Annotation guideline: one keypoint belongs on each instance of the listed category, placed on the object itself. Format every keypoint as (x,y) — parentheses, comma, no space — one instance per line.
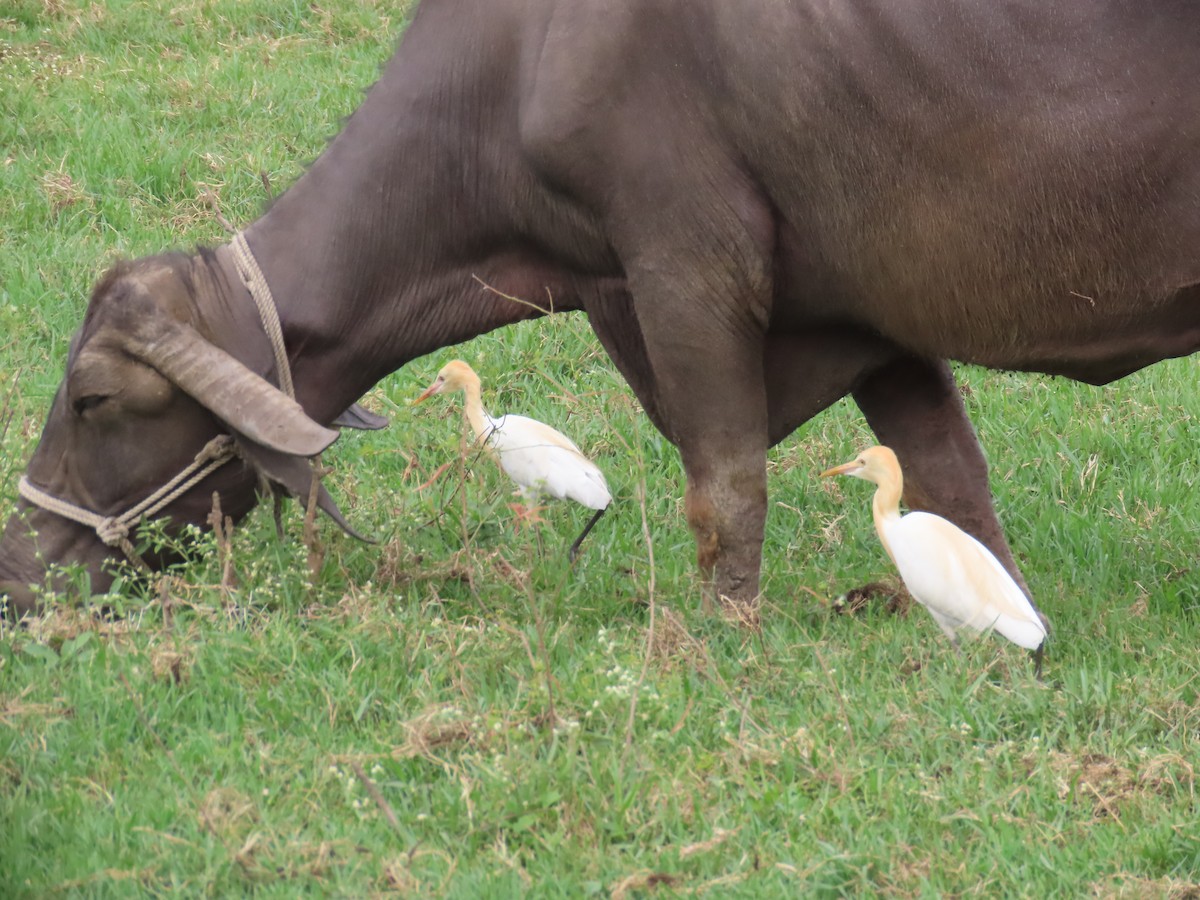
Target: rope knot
(112,531)
(221,448)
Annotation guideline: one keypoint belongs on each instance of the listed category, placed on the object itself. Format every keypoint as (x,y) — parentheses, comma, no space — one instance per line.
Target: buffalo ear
(246,402)
(360,417)
(294,475)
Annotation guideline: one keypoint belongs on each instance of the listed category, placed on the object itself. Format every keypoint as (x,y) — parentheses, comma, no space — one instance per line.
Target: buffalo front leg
(711,403)
(726,506)
(707,394)
(914,407)
(716,417)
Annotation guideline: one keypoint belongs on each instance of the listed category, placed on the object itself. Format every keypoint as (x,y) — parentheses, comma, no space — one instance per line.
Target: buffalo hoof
(743,613)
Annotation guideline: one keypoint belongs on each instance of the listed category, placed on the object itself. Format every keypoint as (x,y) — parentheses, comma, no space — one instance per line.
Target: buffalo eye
(88,401)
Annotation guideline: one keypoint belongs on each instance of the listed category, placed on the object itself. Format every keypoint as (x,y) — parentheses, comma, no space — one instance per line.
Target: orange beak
(843,469)
(429,392)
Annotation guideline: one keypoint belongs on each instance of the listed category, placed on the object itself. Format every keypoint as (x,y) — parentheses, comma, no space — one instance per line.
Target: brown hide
(761,206)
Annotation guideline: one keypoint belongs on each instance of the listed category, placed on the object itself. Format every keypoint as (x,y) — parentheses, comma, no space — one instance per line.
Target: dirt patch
(437,727)
(888,595)
(1107,784)
(61,623)
(673,642)
(640,882)
(170,664)
(226,811)
(15,709)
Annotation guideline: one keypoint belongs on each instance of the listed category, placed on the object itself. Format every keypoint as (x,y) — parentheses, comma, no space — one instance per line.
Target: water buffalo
(762,206)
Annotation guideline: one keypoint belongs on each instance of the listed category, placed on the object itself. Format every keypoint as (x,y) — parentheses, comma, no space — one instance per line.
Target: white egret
(947,571)
(541,460)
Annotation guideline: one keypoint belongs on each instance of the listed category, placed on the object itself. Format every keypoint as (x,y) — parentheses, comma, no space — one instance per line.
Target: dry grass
(1123,886)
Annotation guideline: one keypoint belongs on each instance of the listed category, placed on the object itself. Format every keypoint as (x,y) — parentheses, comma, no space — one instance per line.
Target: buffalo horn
(294,476)
(360,417)
(246,402)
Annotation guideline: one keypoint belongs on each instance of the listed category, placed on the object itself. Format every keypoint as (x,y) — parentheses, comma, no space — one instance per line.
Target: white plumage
(947,571)
(541,460)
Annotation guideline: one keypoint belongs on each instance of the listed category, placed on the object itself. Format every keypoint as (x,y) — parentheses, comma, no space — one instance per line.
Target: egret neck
(885,505)
(473,410)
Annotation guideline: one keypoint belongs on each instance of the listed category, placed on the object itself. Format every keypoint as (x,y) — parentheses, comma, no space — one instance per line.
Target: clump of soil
(889,595)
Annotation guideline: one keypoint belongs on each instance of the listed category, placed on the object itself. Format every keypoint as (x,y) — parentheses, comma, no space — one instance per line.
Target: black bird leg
(574,551)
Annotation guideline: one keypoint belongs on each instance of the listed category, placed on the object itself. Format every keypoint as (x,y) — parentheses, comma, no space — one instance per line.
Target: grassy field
(452,711)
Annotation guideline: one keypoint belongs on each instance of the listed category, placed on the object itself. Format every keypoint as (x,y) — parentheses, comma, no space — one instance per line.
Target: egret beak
(434,388)
(844,469)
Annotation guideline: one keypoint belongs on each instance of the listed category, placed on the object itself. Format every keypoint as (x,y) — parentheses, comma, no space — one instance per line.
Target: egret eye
(88,401)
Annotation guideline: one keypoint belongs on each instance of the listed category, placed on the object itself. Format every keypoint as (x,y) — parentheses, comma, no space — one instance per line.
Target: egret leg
(574,551)
(526,515)
(1038,654)
(954,641)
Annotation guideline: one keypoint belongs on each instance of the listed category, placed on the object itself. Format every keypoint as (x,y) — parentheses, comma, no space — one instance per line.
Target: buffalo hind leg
(914,407)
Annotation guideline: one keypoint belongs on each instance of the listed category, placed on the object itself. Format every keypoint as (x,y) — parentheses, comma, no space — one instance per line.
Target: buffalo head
(146,388)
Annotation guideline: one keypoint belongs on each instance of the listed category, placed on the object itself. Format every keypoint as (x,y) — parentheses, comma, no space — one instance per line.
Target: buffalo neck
(378,255)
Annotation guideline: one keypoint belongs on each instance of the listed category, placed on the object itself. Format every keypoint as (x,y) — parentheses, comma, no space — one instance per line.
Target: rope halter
(114,531)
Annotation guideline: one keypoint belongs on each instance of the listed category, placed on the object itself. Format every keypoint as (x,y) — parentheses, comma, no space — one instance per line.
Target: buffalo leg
(701,320)
(914,407)
(809,371)
(717,416)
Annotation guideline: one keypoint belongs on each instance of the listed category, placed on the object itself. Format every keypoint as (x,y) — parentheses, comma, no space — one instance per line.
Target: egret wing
(959,580)
(544,460)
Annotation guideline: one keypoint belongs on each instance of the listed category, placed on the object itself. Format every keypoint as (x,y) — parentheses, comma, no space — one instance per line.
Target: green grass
(525,729)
